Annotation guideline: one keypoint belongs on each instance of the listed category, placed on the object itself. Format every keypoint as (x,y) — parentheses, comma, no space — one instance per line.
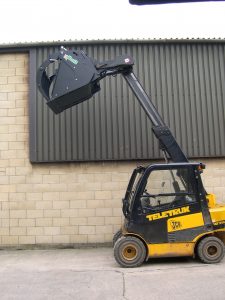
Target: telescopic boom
(77,79)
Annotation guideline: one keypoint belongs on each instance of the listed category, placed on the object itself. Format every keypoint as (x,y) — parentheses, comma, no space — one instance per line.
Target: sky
(54,20)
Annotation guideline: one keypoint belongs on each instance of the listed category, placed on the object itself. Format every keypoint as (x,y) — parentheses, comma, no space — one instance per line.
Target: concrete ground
(93,274)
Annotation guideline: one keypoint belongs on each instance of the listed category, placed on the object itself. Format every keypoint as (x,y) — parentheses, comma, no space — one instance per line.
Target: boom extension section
(77,78)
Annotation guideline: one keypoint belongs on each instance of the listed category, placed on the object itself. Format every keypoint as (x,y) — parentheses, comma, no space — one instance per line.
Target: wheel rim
(129,252)
(212,251)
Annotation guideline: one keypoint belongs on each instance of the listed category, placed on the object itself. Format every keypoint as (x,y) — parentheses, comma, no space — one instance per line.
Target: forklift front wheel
(129,251)
(210,250)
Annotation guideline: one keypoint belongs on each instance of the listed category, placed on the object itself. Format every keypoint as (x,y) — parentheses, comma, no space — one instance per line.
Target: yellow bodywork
(170,249)
(177,249)
(177,222)
(217,211)
(185,222)
(211,199)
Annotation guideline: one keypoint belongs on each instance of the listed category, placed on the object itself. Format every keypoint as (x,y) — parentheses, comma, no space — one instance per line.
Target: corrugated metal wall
(186,81)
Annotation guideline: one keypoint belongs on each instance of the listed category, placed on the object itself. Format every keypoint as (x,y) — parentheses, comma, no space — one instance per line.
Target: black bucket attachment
(75,80)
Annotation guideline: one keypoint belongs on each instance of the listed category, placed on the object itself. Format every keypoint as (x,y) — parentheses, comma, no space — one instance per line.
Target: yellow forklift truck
(167,211)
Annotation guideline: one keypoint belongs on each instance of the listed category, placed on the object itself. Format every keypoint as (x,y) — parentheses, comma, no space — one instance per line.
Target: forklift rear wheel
(116,236)
(129,251)
(210,250)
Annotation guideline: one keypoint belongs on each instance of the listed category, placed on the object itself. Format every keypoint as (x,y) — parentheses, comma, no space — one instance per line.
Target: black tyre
(129,251)
(116,236)
(210,250)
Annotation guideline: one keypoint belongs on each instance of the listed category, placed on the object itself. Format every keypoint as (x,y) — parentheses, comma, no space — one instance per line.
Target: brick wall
(58,203)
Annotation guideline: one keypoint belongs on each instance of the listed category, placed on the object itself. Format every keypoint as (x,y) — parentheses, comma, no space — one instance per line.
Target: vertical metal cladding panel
(184,80)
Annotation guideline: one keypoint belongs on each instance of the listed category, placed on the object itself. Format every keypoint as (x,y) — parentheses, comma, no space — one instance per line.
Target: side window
(168,189)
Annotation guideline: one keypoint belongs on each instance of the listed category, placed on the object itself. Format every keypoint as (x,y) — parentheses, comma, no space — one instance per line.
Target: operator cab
(160,193)
(163,186)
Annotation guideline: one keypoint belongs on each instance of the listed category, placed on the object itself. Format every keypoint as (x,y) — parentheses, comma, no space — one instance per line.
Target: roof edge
(28,45)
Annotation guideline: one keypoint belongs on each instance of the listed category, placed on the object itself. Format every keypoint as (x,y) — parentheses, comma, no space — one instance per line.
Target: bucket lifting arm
(77,79)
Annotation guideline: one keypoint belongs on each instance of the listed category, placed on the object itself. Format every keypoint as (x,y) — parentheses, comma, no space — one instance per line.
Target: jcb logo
(175,225)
